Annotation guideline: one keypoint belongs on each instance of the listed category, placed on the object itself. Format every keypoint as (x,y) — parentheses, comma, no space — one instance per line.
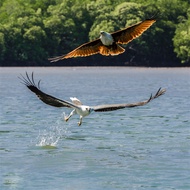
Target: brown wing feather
(84,50)
(128,34)
(112,107)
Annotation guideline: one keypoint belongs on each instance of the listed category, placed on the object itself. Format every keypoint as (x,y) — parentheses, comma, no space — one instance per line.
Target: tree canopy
(33,30)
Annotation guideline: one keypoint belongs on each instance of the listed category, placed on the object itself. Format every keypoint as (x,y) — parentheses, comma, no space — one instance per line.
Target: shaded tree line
(33,30)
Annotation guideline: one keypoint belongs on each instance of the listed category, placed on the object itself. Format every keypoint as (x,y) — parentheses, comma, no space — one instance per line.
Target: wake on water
(50,138)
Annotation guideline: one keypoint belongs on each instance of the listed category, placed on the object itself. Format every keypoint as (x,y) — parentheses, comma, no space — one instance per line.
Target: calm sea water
(139,148)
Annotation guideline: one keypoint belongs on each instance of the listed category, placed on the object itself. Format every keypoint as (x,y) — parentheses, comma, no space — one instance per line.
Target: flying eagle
(108,43)
(76,105)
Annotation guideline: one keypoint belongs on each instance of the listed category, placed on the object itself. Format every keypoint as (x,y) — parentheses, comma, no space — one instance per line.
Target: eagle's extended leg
(80,121)
(67,117)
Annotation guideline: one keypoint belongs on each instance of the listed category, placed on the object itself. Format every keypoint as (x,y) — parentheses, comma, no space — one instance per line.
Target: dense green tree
(33,30)
(182,39)
(115,18)
(23,33)
(171,10)
(66,26)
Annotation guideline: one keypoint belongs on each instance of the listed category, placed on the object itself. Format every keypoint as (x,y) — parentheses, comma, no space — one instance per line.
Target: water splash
(46,138)
(50,138)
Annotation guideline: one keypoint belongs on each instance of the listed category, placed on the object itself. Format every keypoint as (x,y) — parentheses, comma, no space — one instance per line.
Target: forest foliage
(33,30)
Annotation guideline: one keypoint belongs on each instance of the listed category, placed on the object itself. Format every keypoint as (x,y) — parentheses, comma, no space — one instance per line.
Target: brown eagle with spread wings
(108,43)
(76,105)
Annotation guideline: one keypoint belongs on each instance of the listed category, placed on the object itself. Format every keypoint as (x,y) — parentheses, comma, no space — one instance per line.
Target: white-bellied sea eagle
(76,105)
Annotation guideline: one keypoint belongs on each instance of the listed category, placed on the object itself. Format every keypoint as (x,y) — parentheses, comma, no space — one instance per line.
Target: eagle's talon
(66,119)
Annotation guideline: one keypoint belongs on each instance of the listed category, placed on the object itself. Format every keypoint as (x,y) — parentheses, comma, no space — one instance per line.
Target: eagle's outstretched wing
(46,98)
(128,34)
(112,107)
(87,49)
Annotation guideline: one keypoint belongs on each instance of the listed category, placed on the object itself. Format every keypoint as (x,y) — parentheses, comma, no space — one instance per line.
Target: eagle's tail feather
(114,49)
